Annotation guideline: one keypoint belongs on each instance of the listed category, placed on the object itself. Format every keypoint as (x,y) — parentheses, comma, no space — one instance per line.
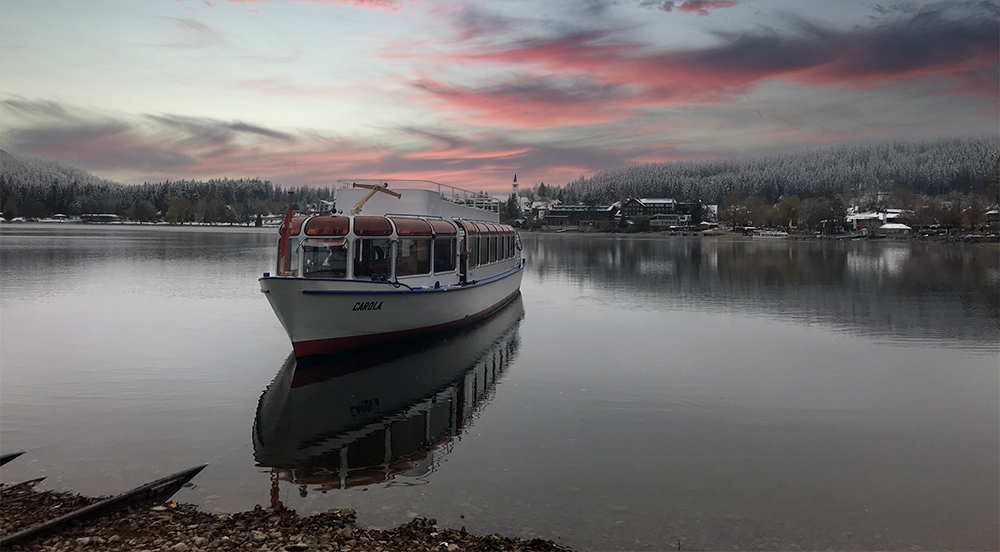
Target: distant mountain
(8,161)
(34,171)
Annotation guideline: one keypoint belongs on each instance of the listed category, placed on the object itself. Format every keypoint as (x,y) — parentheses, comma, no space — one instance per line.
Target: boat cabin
(403,249)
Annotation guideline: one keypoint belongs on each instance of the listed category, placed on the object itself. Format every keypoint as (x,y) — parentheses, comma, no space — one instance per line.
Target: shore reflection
(387,415)
(933,292)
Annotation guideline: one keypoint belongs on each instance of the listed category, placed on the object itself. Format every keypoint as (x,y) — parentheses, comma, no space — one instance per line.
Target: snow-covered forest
(36,187)
(848,172)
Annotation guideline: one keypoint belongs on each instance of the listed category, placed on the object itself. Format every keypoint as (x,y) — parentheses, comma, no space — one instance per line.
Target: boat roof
(420,198)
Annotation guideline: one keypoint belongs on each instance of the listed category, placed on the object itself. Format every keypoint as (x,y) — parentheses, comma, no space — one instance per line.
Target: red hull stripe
(339,344)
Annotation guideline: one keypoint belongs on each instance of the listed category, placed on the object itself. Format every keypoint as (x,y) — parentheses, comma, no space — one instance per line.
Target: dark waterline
(644,391)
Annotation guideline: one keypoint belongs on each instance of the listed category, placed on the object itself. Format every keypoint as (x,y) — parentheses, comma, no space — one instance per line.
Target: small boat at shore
(770,234)
(421,259)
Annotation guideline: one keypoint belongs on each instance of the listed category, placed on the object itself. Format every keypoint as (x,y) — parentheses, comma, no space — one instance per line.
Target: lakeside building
(874,219)
(666,211)
(671,221)
(100,217)
(537,209)
(565,216)
(649,207)
(894,229)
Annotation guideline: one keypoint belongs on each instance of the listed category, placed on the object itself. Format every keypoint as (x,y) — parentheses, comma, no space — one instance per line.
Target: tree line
(851,172)
(38,188)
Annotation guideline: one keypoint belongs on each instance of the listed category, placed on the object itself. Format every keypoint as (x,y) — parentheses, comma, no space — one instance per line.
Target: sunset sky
(468,93)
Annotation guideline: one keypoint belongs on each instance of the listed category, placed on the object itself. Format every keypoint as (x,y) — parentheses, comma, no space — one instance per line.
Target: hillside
(849,171)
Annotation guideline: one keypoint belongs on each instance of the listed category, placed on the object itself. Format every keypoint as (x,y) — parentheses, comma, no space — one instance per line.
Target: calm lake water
(643,392)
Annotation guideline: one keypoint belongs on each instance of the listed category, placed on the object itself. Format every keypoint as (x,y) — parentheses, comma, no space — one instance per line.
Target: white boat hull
(328,316)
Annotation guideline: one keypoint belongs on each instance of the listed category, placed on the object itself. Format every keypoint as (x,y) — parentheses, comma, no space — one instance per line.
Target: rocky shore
(173,527)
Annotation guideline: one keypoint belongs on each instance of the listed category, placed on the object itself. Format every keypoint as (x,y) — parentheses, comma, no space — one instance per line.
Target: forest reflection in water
(898,289)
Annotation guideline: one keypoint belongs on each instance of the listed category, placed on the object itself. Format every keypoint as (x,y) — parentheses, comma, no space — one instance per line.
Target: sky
(470,93)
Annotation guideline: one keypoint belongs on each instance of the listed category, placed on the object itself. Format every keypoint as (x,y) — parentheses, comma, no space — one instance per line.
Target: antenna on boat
(375,188)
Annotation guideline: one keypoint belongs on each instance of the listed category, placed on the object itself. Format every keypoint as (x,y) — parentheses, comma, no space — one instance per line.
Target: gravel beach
(173,527)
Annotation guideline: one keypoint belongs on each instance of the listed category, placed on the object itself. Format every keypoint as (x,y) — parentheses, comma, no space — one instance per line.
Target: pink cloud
(701,7)
(526,103)
(590,77)
(377,5)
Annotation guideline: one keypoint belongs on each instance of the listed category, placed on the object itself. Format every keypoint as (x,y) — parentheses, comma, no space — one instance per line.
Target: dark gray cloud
(699,7)
(204,131)
(43,109)
(103,142)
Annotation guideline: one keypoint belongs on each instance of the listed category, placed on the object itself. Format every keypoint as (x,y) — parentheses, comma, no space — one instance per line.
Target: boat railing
(451,194)
(410,215)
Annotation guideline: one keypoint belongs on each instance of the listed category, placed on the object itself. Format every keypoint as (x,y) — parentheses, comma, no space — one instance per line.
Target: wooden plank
(28,483)
(150,491)
(8,457)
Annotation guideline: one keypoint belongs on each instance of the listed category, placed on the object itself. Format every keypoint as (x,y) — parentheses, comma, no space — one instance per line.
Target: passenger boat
(425,258)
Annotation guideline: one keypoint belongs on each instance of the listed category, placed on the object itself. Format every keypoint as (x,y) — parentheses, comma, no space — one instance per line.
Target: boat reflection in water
(367,417)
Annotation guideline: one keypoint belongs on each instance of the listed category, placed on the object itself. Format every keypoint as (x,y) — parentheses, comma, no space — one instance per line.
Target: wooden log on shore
(8,457)
(28,483)
(164,487)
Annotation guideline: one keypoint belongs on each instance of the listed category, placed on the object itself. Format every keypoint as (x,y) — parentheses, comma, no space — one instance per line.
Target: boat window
(443,227)
(371,257)
(411,227)
(295,258)
(324,258)
(372,226)
(444,254)
(484,248)
(471,242)
(473,248)
(327,226)
(296,225)
(496,231)
(413,256)
(503,247)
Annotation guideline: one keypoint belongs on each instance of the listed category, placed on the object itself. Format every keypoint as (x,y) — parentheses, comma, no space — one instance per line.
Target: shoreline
(969,238)
(959,238)
(175,527)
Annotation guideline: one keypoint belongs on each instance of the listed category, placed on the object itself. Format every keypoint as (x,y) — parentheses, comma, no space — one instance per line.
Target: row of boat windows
(372,257)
